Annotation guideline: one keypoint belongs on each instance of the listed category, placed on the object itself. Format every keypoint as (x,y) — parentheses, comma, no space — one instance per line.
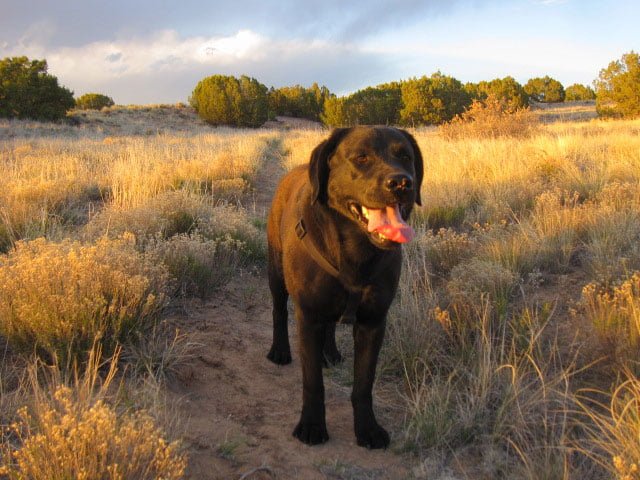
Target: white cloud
(171,65)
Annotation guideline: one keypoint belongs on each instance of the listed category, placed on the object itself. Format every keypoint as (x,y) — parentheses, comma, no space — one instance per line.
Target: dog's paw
(372,435)
(279,356)
(331,358)
(311,433)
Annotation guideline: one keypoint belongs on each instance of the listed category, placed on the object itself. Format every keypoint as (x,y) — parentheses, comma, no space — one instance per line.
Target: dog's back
(291,186)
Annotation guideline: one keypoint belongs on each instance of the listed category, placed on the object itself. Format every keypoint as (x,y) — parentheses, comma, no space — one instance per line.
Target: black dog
(334,233)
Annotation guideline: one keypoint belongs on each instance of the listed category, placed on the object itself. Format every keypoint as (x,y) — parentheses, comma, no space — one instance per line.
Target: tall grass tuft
(615,316)
(612,428)
(490,118)
(72,429)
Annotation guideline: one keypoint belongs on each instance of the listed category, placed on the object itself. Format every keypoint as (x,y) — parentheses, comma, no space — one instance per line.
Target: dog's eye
(403,156)
(361,159)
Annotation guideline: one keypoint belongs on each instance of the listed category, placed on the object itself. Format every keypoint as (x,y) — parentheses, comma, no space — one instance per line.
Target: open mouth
(383,224)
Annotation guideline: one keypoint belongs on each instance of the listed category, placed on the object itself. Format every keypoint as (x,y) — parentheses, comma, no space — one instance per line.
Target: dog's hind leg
(330,351)
(280,352)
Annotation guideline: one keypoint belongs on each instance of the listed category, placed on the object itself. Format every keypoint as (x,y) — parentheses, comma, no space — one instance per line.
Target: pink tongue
(389,222)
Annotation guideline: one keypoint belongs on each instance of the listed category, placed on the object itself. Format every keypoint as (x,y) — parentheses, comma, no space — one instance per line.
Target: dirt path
(239,409)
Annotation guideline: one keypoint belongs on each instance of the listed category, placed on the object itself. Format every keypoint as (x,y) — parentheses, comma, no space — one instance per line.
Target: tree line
(27,90)
(428,100)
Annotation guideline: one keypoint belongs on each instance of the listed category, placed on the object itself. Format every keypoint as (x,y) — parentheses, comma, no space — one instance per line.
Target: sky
(142,52)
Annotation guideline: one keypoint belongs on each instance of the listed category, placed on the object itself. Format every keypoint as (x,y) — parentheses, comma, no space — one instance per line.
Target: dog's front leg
(367,338)
(312,427)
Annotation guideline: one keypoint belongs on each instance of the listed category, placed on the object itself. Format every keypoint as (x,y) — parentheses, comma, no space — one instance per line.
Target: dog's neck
(343,244)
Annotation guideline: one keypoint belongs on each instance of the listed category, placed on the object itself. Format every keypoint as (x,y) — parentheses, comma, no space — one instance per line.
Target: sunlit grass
(492,337)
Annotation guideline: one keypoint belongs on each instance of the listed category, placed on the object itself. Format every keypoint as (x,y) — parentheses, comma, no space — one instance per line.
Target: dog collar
(353,301)
(327,266)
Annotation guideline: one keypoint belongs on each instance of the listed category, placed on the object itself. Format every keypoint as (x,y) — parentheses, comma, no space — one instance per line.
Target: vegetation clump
(618,88)
(578,92)
(227,100)
(94,101)
(490,118)
(28,91)
(545,89)
(506,90)
(298,101)
(60,298)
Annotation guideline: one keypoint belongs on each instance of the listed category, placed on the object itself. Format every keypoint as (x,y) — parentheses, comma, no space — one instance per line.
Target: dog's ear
(319,164)
(417,164)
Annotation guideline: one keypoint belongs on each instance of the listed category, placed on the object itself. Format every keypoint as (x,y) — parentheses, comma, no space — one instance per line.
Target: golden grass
(479,338)
(60,298)
(512,217)
(51,183)
(298,145)
(100,231)
(74,429)
(613,428)
(615,315)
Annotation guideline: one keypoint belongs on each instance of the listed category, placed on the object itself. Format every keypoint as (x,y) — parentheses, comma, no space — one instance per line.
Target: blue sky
(156,51)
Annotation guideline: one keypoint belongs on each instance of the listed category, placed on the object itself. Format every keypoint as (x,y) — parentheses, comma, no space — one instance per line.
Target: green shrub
(432,100)
(28,91)
(618,88)
(298,101)
(507,90)
(93,101)
(226,100)
(545,89)
(198,265)
(578,92)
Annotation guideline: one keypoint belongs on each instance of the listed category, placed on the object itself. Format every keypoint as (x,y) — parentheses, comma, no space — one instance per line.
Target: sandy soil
(239,409)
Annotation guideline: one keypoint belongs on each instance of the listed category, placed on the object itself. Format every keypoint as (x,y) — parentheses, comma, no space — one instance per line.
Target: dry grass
(298,145)
(103,224)
(58,299)
(482,363)
(53,185)
(74,428)
(481,342)
(491,118)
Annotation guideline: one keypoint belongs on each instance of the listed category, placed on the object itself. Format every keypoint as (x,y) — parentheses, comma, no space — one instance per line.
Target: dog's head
(371,175)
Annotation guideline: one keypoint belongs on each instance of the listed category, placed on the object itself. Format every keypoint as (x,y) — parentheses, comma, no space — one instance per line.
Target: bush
(578,92)
(371,106)
(175,213)
(507,90)
(93,101)
(491,118)
(199,265)
(432,100)
(72,430)
(618,88)
(298,101)
(60,298)
(545,89)
(226,100)
(28,91)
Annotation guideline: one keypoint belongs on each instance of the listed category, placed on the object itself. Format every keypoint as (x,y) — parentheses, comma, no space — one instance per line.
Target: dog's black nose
(398,183)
